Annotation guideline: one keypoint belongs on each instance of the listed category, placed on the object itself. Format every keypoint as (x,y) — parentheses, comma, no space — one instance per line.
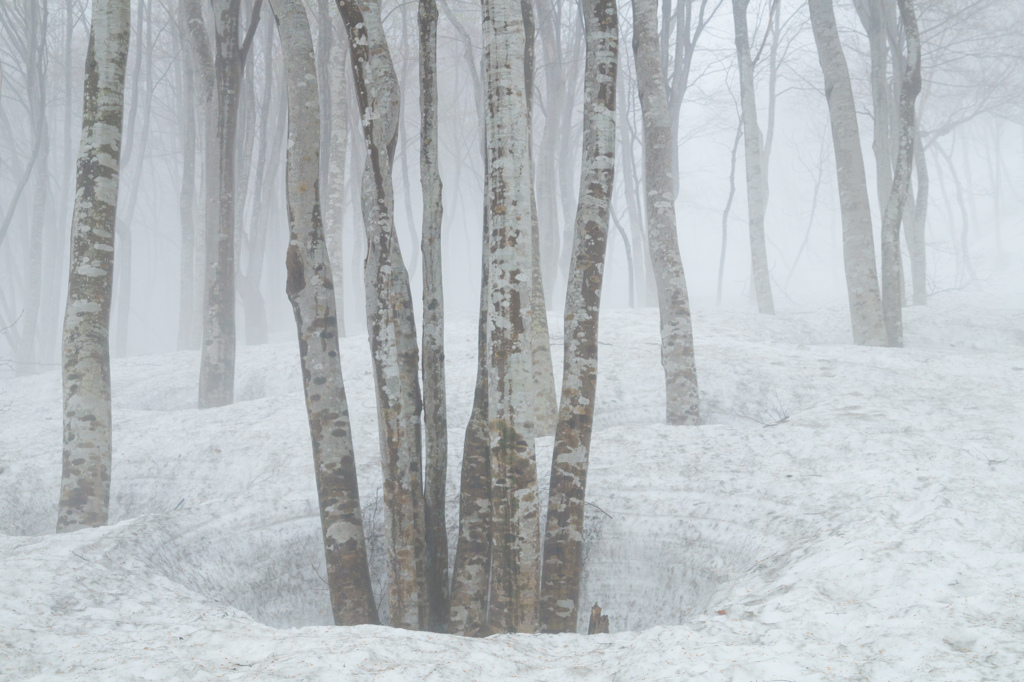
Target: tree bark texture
(677,357)
(563,539)
(752,147)
(187,196)
(435,416)
(515,569)
(310,290)
(85,475)
(892,270)
(858,242)
(918,263)
(389,317)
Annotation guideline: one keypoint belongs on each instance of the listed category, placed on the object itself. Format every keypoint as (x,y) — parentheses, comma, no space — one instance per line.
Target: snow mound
(844,513)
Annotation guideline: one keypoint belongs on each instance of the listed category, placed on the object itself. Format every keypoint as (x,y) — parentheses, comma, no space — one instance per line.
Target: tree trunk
(217,366)
(186,201)
(858,242)
(389,318)
(892,270)
(563,539)
(756,181)
(725,211)
(434,402)
(310,290)
(85,477)
(918,264)
(677,358)
(515,570)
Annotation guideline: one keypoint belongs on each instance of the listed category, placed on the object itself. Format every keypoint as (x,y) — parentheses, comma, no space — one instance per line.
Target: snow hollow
(843,513)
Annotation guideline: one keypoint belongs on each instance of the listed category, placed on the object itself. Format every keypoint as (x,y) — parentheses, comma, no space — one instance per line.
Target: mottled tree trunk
(85,477)
(563,539)
(435,416)
(756,181)
(472,570)
(892,270)
(871,18)
(310,289)
(858,242)
(677,358)
(389,318)
(515,535)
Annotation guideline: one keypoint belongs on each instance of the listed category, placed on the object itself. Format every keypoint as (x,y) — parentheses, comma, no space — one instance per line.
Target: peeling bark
(85,475)
(563,539)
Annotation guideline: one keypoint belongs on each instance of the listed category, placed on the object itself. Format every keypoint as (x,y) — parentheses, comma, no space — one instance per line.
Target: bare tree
(389,317)
(563,538)
(892,271)
(85,475)
(858,243)
(310,289)
(515,514)
(753,148)
(435,412)
(677,358)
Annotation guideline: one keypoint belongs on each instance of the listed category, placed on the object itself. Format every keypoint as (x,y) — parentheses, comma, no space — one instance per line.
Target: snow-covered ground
(844,513)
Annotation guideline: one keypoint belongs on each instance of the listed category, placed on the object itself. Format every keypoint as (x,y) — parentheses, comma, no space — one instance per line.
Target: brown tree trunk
(563,539)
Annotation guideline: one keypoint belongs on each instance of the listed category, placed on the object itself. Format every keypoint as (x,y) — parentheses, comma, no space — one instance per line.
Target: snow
(844,513)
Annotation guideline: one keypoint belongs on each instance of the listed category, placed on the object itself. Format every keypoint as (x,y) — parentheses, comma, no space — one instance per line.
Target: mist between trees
(355,162)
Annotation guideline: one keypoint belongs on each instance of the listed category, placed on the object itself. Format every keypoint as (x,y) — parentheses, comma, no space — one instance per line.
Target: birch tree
(892,271)
(677,357)
(435,411)
(752,147)
(563,539)
(310,289)
(515,522)
(858,242)
(389,314)
(85,474)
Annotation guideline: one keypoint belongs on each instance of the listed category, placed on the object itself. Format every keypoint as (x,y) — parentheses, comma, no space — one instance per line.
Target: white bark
(85,476)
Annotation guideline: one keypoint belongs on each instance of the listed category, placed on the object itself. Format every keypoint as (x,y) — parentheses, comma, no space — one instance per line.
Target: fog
(970,111)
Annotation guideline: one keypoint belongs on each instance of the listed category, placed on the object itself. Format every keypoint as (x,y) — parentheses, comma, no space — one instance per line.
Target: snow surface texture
(844,513)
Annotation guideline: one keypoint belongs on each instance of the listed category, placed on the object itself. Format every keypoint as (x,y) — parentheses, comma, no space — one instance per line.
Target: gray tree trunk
(515,569)
(563,538)
(186,200)
(918,263)
(310,289)
(389,318)
(858,242)
(677,358)
(756,180)
(435,416)
(85,476)
(892,270)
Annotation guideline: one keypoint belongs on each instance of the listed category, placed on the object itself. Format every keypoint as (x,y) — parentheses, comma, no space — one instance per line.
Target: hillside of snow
(844,513)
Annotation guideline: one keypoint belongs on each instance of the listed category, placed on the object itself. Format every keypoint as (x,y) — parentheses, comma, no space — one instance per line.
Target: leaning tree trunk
(311,291)
(563,539)
(677,358)
(389,317)
(752,147)
(515,569)
(858,242)
(85,477)
(435,417)
(892,271)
